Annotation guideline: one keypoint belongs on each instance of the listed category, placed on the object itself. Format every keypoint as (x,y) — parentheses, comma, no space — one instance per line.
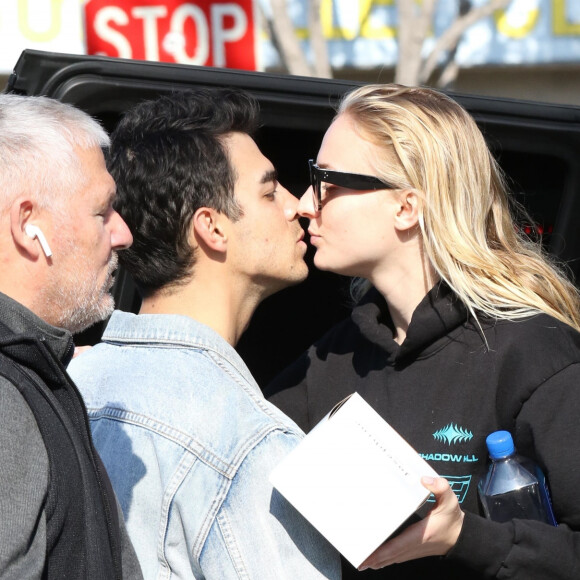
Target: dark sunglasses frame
(355,181)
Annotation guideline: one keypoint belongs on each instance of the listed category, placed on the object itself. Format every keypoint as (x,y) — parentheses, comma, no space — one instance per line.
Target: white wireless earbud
(36,232)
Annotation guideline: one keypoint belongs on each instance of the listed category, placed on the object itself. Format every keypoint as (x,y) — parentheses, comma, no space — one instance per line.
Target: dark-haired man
(183,428)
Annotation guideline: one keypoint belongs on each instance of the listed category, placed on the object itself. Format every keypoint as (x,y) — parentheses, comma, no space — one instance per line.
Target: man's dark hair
(168,158)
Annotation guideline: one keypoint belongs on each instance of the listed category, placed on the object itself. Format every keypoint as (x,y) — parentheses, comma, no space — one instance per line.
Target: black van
(538,146)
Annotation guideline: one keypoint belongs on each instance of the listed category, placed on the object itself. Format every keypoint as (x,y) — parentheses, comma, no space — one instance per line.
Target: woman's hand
(434,535)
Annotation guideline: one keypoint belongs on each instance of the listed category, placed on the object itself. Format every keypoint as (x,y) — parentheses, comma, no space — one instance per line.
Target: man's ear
(21,219)
(407,210)
(208,229)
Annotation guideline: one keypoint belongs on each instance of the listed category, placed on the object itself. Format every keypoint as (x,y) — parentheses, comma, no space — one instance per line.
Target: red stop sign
(200,32)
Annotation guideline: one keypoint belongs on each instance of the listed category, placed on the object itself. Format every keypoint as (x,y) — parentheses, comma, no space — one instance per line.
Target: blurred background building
(526,49)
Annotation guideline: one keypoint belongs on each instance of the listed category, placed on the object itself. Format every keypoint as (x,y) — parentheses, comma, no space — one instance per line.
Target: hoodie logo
(453,434)
(459,484)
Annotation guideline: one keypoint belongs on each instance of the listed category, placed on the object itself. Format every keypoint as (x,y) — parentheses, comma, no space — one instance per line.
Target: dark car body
(537,145)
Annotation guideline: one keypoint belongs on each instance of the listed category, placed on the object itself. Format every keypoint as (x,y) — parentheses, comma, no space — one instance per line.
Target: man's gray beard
(81,303)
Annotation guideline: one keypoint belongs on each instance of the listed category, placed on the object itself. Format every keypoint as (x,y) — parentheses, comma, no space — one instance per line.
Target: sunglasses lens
(315,183)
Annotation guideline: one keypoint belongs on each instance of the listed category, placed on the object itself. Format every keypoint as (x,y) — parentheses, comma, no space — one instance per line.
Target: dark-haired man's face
(268,245)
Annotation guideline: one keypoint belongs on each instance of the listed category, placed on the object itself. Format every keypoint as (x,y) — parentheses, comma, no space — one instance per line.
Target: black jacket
(77,515)
(445,388)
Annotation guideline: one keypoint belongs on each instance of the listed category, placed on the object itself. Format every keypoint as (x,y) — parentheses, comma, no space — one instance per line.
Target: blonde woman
(464,327)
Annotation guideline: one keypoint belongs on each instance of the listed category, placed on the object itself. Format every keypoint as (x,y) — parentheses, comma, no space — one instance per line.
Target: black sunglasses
(354,181)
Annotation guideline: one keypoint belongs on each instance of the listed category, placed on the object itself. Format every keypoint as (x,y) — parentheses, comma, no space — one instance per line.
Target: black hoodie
(445,388)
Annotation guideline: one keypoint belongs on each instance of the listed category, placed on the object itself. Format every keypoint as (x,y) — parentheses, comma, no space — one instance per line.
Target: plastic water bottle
(514,486)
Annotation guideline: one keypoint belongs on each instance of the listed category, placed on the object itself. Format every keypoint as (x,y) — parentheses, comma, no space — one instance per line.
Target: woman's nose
(307,206)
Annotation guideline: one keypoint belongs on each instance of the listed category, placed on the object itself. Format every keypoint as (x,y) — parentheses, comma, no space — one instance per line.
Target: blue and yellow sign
(360,33)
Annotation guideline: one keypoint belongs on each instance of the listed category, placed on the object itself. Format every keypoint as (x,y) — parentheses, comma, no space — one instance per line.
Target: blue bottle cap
(500,444)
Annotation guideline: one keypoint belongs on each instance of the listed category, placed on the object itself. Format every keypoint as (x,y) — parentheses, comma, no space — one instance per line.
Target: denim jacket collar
(173,330)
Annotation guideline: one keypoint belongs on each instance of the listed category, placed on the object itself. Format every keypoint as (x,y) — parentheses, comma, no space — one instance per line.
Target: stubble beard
(81,301)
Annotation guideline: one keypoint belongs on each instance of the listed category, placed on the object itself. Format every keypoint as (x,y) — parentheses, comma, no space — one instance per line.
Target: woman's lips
(313,237)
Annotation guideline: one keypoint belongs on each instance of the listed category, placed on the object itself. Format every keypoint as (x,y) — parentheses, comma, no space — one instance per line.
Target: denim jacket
(189,442)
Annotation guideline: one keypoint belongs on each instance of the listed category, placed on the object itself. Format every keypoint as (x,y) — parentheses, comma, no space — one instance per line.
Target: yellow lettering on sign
(560,22)
(302,33)
(54,25)
(330,31)
(507,29)
(367,30)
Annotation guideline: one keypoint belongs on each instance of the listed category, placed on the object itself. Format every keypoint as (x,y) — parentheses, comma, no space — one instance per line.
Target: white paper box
(354,478)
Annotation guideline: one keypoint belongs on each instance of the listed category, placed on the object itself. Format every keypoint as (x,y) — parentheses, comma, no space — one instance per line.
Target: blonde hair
(467,228)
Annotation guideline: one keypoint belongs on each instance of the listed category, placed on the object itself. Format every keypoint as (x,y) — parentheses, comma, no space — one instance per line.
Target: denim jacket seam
(210,518)
(187,442)
(226,468)
(231,546)
(175,482)
(253,391)
(239,376)
(216,515)
(253,442)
